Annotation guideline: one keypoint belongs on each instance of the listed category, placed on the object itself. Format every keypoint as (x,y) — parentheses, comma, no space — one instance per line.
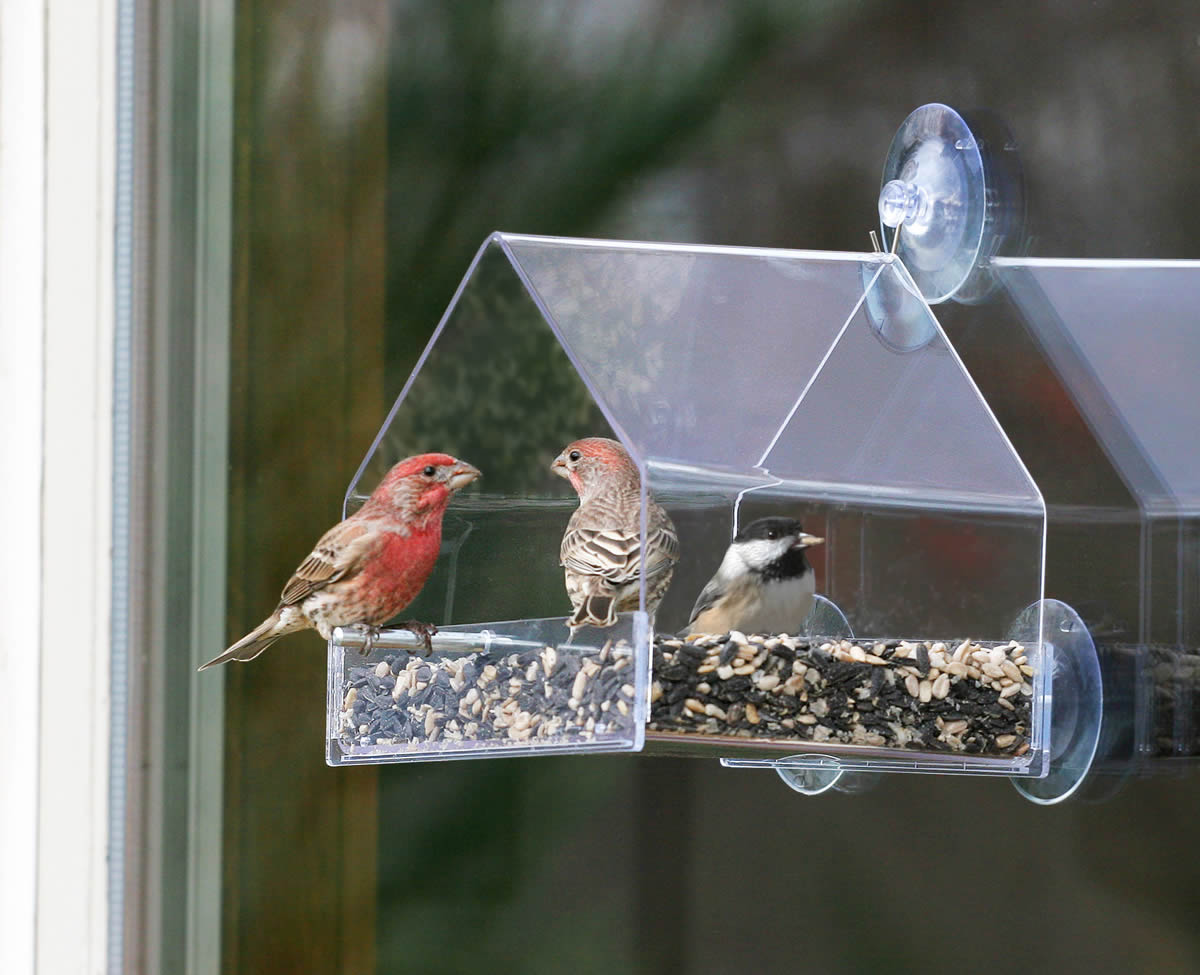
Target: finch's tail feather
(253,643)
(595,610)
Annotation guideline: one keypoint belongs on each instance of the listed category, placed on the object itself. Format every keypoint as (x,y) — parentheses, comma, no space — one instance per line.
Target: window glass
(376,147)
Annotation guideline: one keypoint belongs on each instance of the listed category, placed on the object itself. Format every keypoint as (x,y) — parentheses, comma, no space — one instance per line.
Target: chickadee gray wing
(709,596)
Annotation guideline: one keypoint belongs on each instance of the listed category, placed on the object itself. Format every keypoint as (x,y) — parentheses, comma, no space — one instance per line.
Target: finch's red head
(420,487)
(594,464)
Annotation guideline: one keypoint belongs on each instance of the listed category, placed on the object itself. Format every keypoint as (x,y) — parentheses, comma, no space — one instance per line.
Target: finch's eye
(429,471)
(574,455)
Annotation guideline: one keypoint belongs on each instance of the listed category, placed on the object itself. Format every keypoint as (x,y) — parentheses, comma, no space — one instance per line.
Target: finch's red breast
(393,580)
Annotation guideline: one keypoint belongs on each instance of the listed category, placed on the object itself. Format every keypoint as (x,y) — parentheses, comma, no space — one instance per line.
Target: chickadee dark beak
(462,475)
(804,540)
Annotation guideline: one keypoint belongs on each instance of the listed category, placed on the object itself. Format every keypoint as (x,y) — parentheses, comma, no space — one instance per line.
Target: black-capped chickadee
(764,583)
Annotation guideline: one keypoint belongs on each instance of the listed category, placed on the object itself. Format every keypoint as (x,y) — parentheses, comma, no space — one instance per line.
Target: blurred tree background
(377,144)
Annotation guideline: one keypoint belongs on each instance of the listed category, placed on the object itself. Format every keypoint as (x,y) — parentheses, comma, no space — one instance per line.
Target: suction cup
(810,775)
(1072,695)
(898,311)
(954,193)
(825,619)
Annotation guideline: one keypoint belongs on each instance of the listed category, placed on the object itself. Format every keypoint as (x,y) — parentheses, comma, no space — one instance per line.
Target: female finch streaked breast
(601,552)
(367,568)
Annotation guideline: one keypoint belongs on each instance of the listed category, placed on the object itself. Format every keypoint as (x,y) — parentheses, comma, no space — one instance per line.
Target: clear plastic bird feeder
(743,382)
(819,386)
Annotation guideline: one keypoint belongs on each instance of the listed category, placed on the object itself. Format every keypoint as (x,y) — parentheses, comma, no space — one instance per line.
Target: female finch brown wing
(367,568)
(601,552)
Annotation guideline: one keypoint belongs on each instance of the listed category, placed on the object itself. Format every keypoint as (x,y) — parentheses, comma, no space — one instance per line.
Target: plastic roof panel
(770,362)
(1125,337)
(679,341)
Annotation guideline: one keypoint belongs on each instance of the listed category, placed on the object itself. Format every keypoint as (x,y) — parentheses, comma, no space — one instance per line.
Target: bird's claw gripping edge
(369,640)
(425,631)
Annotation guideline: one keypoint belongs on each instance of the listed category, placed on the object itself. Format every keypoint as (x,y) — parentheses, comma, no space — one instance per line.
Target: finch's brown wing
(615,554)
(339,553)
(612,554)
(662,546)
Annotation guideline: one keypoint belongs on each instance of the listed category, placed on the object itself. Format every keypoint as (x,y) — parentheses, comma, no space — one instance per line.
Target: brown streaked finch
(601,552)
(367,568)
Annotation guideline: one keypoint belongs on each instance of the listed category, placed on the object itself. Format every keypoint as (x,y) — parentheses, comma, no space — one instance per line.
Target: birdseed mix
(1175,703)
(552,695)
(966,697)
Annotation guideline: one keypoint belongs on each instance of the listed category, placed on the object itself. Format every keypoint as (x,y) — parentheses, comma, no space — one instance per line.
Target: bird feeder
(743,383)
(747,382)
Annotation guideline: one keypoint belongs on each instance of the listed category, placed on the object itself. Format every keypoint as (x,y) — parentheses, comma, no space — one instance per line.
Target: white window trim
(57,153)
(68,900)
(22,241)
(73,828)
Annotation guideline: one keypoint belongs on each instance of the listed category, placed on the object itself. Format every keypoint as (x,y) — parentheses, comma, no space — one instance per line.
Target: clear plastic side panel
(496,388)
(504,689)
(1123,338)
(818,389)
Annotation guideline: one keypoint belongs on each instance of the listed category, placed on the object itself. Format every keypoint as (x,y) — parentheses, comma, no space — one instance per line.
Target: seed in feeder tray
(795,692)
(489,700)
(821,691)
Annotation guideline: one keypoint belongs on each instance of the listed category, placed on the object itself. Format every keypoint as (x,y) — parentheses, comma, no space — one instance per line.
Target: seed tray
(964,697)
(776,691)
(514,690)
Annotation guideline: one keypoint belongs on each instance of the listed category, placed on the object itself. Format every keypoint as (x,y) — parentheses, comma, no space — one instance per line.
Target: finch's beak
(559,466)
(804,540)
(461,476)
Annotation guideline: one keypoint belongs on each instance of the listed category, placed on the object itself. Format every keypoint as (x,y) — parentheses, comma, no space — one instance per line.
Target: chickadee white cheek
(758,554)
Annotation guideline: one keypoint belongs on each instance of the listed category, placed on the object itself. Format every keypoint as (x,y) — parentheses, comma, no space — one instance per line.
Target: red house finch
(601,552)
(367,568)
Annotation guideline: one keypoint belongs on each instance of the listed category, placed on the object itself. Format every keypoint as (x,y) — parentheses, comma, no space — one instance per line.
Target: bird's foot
(369,641)
(425,631)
